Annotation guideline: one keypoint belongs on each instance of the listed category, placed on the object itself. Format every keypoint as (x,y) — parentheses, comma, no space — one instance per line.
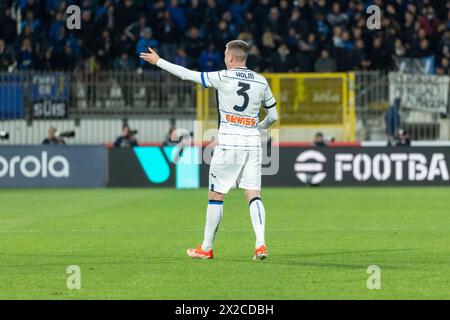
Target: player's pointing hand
(151,57)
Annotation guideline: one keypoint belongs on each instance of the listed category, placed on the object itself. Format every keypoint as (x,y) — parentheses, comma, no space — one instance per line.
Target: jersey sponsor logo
(241,120)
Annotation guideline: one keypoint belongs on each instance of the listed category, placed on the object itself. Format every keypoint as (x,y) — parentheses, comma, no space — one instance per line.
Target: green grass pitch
(131,244)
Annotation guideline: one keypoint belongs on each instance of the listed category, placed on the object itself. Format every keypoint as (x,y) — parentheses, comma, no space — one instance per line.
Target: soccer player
(238,154)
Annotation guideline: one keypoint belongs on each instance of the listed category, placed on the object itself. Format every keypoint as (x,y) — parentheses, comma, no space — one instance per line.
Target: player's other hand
(151,57)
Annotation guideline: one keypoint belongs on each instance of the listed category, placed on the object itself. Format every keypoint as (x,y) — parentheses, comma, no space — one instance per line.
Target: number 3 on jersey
(243,92)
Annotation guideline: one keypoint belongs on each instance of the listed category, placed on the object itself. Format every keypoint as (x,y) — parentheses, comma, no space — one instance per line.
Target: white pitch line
(132,230)
(413,228)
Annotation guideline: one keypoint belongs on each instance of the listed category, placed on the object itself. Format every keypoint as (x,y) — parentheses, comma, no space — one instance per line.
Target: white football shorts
(231,166)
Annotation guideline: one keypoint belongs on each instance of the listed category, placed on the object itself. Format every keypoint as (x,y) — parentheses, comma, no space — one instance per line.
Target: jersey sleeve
(212,79)
(268,98)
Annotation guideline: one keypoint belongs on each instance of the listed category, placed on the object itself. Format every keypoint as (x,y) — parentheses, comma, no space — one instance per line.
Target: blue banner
(53,166)
(11,96)
(53,86)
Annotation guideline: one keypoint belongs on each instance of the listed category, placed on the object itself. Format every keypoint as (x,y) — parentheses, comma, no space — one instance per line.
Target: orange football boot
(260,253)
(199,253)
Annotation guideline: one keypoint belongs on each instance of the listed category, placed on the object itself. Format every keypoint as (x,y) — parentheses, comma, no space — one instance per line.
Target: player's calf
(258,217)
(213,218)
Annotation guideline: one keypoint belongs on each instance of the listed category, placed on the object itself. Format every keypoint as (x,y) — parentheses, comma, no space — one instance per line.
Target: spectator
(409,29)
(127,139)
(194,13)
(273,23)
(55,28)
(212,14)
(104,50)
(268,44)
(261,11)
(222,34)
(337,37)
(194,46)
(177,13)
(303,60)
(321,27)
(443,67)
(336,17)
(238,9)
(210,59)
(429,21)
(145,42)
(27,34)
(47,61)
(181,58)
(362,61)
(254,60)
(30,21)
(281,60)
(157,10)
(285,10)
(123,45)
(249,25)
(5,57)
(169,31)
(26,58)
(424,49)
(325,63)
(136,30)
(399,49)
(7,26)
(392,119)
(88,34)
(378,57)
(298,23)
(125,14)
(124,63)
(69,61)
(320,7)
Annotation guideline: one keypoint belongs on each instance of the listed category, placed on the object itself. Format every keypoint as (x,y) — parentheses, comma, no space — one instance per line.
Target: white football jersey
(240,93)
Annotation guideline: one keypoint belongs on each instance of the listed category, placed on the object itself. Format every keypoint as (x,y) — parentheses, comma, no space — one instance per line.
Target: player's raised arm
(178,71)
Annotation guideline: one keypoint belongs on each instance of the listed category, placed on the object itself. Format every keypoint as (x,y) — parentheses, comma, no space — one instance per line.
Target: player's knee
(250,194)
(213,195)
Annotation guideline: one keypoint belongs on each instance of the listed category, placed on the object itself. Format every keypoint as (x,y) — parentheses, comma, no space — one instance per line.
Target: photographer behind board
(56,138)
(319,140)
(4,135)
(127,139)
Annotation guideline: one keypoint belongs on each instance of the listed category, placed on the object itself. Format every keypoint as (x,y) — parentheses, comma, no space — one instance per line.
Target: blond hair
(239,48)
